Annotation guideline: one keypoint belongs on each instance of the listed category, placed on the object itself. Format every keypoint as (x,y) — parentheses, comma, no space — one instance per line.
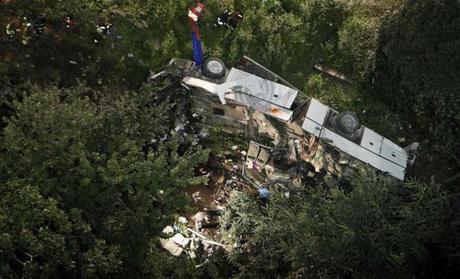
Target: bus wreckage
(254,100)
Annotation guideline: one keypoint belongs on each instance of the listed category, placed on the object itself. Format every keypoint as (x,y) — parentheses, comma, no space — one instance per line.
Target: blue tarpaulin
(197,50)
(264,193)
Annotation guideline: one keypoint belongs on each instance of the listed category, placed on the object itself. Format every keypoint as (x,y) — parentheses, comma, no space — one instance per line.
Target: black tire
(213,68)
(347,122)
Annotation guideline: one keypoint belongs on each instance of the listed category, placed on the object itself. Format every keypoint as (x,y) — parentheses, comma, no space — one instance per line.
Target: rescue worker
(105,29)
(39,24)
(195,13)
(110,31)
(222,20)
(235,19)
(11,30)
(69,21)
(26,30)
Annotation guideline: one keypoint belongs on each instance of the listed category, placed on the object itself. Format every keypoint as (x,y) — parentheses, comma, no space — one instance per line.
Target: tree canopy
(79,195)
(380,229)
(416,71)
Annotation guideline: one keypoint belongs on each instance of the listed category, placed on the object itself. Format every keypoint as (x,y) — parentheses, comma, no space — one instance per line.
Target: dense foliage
(78,195)
(417,71)
(379,230)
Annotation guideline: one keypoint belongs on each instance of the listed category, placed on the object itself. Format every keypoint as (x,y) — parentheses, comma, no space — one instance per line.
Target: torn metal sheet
(263,89)
(247,89)
(180,240)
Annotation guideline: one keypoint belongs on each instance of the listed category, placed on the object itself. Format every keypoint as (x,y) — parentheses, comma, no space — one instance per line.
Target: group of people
(27,27)
(227,19)
(31,26)
(37,24)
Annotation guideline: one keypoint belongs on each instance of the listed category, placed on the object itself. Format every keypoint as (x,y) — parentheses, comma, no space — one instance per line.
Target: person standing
(69,21)
(11,30)
(194,14)
(222,20)
(39,24)
(235,19)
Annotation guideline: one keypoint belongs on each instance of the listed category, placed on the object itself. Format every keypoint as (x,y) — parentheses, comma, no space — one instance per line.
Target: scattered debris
(196,196)
(281,157)
(182,220)
(189,241)
(168,230)
(265,127)
(180,240)
(171,247)
(199,218)
(205,239)
(221,180)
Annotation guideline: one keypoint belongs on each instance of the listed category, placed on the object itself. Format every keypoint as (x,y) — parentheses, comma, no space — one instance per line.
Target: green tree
(380,229)
(361,56)
(93,200)
(416,73)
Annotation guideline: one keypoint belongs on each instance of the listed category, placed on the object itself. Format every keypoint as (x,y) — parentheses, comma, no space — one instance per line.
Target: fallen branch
(205,238)
(333,73)
(202,264)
